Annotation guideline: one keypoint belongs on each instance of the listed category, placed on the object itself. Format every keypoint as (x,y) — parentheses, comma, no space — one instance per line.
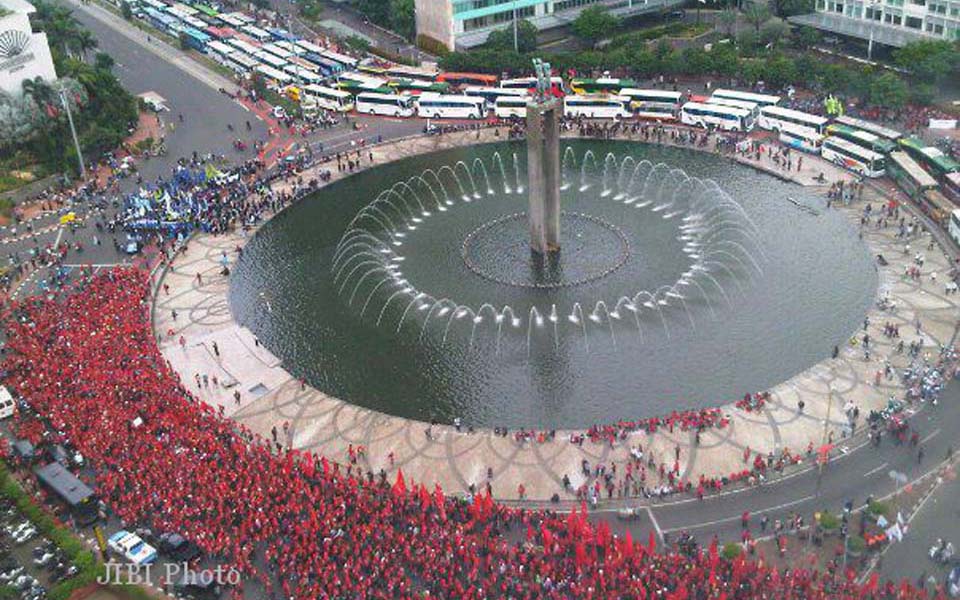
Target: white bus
(596,106)
(242,46)
(877,130)
(392,105)
(256,33)
(662,105)
(511,106)
(269,59)
(301,75)
(278,51)
(761,99)
(753,107)
(801,138)
(853,157)
(773,118)
(490,94)
(328,98)
(277,78)
(727,118)
(440,106)
(365,81)
(241,63)
(954,227)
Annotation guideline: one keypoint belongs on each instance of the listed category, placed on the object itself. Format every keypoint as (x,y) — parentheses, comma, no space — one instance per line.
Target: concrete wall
(435,20)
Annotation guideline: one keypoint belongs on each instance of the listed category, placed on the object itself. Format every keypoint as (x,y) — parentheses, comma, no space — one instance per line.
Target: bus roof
(319,89)
(430,96)
(764,99)
(64,483)
(665,94)
(744,104)
(796,114)
(456,76)
(873,128)
(876,142)
(910,166)
(476,90)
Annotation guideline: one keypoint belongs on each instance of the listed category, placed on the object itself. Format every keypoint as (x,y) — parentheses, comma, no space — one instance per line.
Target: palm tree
(82,42)
(757,15)
(728,20)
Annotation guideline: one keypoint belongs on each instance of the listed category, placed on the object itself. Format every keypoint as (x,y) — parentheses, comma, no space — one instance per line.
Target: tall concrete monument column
(543,166)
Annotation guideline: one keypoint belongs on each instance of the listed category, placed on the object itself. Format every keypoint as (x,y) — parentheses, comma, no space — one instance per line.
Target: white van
(7,404)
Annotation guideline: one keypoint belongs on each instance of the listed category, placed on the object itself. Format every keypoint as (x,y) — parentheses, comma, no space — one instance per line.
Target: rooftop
(16,6)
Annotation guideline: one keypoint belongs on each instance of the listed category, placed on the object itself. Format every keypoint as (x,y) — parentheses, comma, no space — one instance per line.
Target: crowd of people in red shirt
(301,527)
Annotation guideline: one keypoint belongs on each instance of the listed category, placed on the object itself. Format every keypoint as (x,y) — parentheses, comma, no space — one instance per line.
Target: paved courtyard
(270,397)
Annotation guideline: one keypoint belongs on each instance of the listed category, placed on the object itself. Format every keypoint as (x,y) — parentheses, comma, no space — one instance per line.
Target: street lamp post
(516,42)
(73,131)
(873,5)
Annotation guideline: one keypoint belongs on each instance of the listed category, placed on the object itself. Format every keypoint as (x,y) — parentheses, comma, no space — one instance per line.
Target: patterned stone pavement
(270,397)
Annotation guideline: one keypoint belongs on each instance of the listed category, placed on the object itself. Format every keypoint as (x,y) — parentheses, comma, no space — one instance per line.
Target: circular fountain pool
(411,289)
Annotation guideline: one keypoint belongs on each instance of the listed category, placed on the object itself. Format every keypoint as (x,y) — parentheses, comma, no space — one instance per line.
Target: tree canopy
(502,39)
(594,23)
(931,61)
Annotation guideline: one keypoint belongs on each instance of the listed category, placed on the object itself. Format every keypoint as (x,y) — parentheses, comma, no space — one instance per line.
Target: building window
(838,8)
(913,22)
(565,4)
(938,29)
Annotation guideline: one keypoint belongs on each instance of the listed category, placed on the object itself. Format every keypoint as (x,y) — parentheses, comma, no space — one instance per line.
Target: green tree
(103,61)
(377,11)
(789,8)
(774,33)
(757,14)
(310,9)
(805,37)
(929,60)
(728,21)
(594,23)
(889,91)
(402,18)
(502,39)
(126,11)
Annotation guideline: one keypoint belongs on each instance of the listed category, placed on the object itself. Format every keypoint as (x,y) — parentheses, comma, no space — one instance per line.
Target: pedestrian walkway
(270,397)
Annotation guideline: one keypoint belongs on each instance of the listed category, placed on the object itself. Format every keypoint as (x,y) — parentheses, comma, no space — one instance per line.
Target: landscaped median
(90,568)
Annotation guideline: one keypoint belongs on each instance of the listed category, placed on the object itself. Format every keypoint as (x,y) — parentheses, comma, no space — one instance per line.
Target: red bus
(461,79)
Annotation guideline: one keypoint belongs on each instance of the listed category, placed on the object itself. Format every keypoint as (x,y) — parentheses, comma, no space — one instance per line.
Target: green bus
(604,85)
(419,87)
(859,137)
(203,8)
(930,158)
(908,174)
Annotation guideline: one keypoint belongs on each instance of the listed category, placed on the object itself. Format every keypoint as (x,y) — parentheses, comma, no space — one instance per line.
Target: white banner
(943,123)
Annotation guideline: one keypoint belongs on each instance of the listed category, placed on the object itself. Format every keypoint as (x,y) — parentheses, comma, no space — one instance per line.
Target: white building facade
(890,22)
(462,24)
(23,53)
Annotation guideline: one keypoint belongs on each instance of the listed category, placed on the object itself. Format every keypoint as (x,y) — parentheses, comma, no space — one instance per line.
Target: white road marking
(757,512)
(656,525)
(872,471)
(932,435)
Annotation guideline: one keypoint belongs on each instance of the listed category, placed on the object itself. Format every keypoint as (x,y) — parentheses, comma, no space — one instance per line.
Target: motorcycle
(942,552)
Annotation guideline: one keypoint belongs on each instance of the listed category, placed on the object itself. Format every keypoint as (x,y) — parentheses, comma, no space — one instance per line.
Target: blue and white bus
(851,156)
(801,138)
(717,116)
(773,118)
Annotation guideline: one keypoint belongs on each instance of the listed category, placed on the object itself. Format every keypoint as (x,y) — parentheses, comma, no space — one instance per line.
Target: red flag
(547,537)
(326,465)
(653,542)
(628,545)
(399,488)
